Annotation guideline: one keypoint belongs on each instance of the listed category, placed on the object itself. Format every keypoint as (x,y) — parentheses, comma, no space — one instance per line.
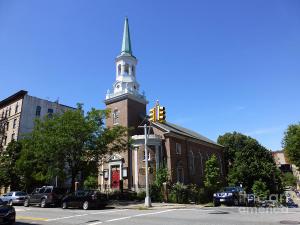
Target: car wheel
(85,205)
(43,203)
(26,203)
(236,202)
(64,205)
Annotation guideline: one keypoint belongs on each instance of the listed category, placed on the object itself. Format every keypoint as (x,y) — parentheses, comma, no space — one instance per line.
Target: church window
(191,162)
(116,117)
(119,69)
(178,149)
(126,69)
(179,172)
(201,164)
(132,71)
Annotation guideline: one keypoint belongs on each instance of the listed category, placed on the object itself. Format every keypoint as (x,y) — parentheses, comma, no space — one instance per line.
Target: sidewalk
(140,205)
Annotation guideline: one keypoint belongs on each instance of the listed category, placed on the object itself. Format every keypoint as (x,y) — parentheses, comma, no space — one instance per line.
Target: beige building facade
(18,113)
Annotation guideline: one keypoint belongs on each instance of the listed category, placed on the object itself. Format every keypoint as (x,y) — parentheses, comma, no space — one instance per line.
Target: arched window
(133,70)
(116,116)
(119,69)
(191,162)
(126,68)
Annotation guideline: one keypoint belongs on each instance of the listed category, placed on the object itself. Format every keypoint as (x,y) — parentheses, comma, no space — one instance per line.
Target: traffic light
(152,115)
(161,114)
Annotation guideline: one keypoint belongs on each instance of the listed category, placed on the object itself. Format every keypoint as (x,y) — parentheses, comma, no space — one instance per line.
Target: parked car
(45,196)
(230,196)
(7,213)
(85,199)
(14,197)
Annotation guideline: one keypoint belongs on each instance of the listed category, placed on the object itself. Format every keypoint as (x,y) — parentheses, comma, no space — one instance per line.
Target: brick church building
(182,151)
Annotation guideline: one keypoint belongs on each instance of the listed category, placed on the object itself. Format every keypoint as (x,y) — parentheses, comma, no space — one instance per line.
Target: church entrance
(115,177)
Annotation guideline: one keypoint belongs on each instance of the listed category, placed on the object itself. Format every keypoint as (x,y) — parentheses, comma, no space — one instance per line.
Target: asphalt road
(185,216)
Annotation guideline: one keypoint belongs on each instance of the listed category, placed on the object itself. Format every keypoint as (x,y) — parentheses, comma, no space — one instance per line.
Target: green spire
(126,43)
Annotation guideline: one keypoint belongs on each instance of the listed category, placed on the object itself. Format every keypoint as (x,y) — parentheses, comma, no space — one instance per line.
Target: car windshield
(20,193)
(229,189)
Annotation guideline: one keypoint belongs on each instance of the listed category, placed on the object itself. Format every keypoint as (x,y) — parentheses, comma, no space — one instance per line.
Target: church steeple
(126,83)
(126,43)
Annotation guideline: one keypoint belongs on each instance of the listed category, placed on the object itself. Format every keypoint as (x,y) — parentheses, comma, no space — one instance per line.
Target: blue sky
(218,66)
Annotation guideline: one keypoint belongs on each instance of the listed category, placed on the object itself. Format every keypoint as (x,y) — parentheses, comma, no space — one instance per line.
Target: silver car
(14,197)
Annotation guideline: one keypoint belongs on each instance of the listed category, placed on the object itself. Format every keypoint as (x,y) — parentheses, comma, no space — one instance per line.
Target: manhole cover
(289,222)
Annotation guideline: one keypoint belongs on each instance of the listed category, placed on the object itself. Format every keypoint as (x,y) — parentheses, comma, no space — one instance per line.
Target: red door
(115,177)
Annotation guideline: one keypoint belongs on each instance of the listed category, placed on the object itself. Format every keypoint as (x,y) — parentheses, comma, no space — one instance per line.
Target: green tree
(288,179)
(260,189)
(248,161)
(62,145)
(291,143)
(9,173)
(212,175)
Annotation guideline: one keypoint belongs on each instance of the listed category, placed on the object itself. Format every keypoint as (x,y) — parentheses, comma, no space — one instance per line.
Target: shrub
(90,182)
(179,193)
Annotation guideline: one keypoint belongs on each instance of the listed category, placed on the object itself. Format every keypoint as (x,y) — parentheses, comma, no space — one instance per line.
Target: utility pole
(147,198)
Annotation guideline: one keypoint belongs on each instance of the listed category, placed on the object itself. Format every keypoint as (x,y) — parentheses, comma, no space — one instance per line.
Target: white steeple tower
(126,82)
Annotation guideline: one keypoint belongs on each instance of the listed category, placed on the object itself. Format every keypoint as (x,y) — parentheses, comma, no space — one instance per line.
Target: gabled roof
(173,128)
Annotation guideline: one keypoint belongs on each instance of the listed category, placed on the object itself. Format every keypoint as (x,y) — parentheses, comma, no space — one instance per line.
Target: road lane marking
(134,216)
(31,218)
(102,212)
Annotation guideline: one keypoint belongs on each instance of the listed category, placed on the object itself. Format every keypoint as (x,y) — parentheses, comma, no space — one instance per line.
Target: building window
(126,68)
(38,111)
(201,164)
(116,115)
(12,136)
(15,122)
(179,172)
(132,71)
(6,113)
(50,113)
(7,126)
(178,149)
(5,140)
(191,162)
(2,114)
(9,111)
(17,107)
(119,69)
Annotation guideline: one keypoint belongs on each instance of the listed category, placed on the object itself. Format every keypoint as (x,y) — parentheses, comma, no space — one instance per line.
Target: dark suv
(230,196)
(45,196)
